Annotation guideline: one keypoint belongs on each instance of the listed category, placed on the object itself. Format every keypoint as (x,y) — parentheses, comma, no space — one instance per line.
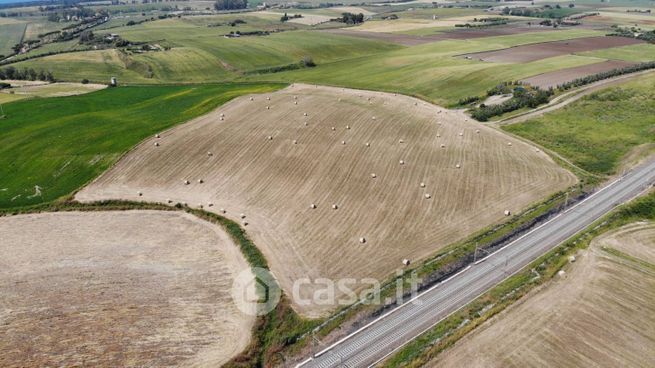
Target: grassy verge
(51,147)
(447,332)
(599,130)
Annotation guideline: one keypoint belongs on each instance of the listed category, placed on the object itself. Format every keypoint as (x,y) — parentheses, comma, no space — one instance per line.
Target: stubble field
(130,288)
(601,314)
(272,164)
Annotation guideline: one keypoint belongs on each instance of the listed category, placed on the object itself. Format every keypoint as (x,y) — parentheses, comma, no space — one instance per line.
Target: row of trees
(26,74)
(523,97)
(605,75)
(230,4)
(350,18)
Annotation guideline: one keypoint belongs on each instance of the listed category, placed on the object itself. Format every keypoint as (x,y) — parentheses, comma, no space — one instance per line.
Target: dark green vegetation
(450,330)
(599,130)
(51,147)
(522,96)
(606,75)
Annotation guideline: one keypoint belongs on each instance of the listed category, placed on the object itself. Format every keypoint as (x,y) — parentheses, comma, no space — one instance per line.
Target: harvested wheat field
(600,314)
(314,169)
(543,50)
(457,34)
(118,289)
(553,79)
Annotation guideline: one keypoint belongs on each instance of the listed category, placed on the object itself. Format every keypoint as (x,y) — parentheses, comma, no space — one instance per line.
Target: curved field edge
(270,332)
(51,147)
(103,272)
(429,345)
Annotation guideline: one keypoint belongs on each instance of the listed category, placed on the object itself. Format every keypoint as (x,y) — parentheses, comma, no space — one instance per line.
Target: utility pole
(475,253)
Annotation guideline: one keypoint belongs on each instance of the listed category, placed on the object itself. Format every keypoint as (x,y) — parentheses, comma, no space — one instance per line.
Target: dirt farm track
(118,289)
(335,183)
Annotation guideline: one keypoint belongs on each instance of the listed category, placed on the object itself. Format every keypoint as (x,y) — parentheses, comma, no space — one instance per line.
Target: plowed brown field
(553,79)
(543,50)
(326,162)
(118,289)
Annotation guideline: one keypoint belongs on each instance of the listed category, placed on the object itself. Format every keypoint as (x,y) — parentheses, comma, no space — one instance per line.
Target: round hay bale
(477,131)
(243,215)
(156,144)
(368,144)
(427,196)
(270,138)
(509,143)
(186,182)
(401,141)
(374,118)
(222,118)
(169,200)
(252,99)
(333,128)
(335,207)
(343,142)
(139,193)
(295,141)
(200,181)
(443,145)
(312,206)
(402,162)
(268,98)
(422,185)
(304,114)
(374,176)
(157,136)
(200,206)
(306,124)
(458,166)
(222,114)
(461,134)
(245,223)
(438,135)
(295,97)
(222,210)
(209,153)
(406,262)
(295,102)
(362,240)
(268,107)
(348,127)
(507,212)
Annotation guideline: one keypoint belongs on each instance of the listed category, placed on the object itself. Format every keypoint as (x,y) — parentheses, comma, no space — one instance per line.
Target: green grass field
(636,53)
(10,34)
(599,130)
(432,72)
(59,144)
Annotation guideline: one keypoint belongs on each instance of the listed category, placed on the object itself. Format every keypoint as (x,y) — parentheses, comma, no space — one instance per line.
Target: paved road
(387,334)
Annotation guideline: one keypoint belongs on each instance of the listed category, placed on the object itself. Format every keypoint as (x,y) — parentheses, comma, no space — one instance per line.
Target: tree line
(26,74)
